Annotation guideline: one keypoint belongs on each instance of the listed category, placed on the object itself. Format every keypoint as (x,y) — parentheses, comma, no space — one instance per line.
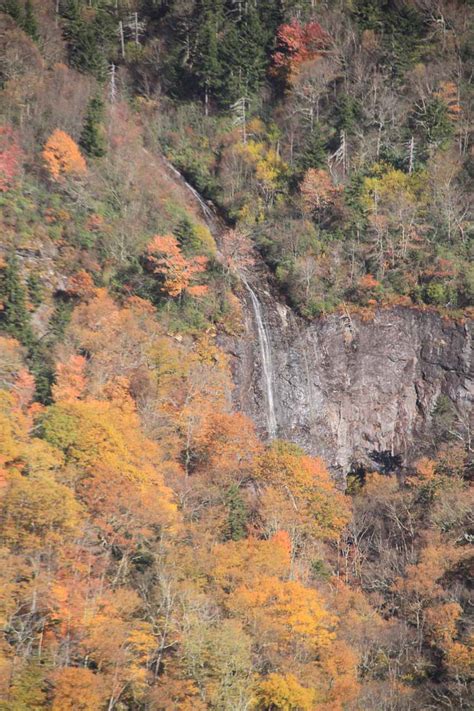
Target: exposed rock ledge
(347,389)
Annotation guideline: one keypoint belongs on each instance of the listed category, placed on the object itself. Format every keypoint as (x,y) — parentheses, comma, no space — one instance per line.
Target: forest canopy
(156,552)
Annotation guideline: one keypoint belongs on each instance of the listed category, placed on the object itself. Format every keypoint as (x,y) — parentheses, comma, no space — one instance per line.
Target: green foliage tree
(313,154)
(433,123)
(243,57)
(14,317)
(187,238)
(14,9)
(23,14)
(29,22)
(90,36)
(207,65)
(237,516)
(92,138)
(28,690)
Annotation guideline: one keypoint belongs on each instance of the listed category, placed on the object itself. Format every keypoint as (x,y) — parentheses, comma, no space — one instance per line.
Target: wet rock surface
(352,391)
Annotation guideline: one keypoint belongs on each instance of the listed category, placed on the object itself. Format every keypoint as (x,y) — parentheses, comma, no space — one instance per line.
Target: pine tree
(237,514)
(187,238)
(92,138)
(348,113)
(90,39)
(207,67)
(14,9)
(14,317)
(314,151)
(243,57)
(271,14)
(29,22)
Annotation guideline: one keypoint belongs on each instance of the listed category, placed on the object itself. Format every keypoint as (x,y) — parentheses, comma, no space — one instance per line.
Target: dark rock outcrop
(352,391)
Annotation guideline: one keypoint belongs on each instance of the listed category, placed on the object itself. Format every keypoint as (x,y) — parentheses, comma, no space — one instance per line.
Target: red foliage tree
(297,43)
(10,158)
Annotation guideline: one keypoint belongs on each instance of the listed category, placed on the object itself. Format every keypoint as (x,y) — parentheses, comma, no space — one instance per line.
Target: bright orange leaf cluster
(62,156)
(318,190)
(177,271)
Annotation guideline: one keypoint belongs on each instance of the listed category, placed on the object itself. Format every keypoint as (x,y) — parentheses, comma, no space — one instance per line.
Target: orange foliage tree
(62,156)
(10,158)
(178,272)
(318,191)
(70,379)
(77,689)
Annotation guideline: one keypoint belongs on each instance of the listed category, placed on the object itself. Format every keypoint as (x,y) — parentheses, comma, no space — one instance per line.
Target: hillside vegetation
(155,554)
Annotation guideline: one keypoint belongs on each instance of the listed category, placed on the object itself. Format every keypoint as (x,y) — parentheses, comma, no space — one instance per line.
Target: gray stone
(349,389)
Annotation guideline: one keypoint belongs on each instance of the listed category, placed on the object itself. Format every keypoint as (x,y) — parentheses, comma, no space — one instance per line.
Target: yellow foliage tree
(303,483)
(283,692)
(239,562)
(77,689)
(118,471)
(284,615)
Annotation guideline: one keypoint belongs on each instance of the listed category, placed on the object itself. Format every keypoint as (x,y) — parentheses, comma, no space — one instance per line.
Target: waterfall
(206,210)
(266,355)
(263,339)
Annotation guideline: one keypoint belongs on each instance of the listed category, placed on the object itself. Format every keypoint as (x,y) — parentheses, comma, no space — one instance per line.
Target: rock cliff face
(355,392)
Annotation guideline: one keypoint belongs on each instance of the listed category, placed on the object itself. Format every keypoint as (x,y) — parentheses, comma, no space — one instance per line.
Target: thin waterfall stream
(335,388)
(262,331)
(266,355)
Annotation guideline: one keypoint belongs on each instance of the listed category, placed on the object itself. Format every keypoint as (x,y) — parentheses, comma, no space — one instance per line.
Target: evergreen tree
(92,138)
(41,366)
(90,38)
(271,14)
(433,123)
(14,317)
(14,9)
(187,237)
(243,57)
(206,66)
(368,13)
(348,113)
(23,14)
(29,21)
(237,514)
(313,154)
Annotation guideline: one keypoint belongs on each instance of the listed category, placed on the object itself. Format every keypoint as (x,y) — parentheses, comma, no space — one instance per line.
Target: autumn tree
(62,157)
(77,688)
(288,619)
(318,191)
(176,271)
(284,692)
(70,380)
(297,43)
(296,481)
(10,158)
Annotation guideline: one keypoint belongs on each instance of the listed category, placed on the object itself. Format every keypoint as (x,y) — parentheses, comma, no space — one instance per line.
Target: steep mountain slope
(358,390)
(235,238)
